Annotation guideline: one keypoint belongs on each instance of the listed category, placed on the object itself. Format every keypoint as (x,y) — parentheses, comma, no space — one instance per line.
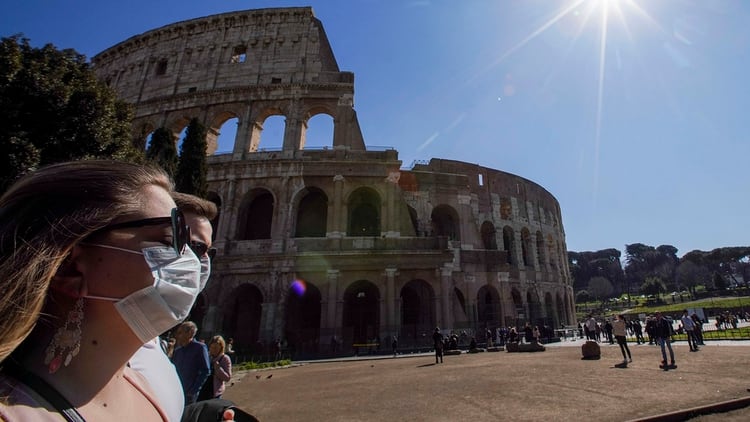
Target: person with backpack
(663,336)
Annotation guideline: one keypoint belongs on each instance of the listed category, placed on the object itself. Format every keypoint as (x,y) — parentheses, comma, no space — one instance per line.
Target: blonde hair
(43,215)
(220,341)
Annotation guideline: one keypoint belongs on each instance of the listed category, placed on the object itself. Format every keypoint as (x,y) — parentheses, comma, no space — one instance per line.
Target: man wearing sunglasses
(150,360)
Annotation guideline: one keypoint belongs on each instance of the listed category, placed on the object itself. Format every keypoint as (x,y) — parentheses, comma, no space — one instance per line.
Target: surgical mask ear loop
(66,343)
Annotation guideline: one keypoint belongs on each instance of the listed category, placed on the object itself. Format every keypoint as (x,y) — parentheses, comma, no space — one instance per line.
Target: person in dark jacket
(437,339)
(663,336)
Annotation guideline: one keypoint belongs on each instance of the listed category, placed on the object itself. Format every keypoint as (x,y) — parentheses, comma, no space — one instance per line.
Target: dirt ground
(551,385)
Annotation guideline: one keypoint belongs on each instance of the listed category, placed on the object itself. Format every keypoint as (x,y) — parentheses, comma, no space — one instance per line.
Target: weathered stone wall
(393,251)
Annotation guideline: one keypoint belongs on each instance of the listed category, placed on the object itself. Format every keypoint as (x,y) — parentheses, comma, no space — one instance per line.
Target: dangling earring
(66,343)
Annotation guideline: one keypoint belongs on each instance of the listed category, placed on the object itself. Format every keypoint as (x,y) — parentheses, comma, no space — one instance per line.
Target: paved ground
(551,385)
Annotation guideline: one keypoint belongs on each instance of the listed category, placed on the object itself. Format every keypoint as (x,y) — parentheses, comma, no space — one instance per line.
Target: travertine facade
(338,241)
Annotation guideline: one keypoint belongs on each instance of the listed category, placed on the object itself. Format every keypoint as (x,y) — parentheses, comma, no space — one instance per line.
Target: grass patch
(246,366)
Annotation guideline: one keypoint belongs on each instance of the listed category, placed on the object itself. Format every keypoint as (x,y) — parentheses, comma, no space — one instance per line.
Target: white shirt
(151,362)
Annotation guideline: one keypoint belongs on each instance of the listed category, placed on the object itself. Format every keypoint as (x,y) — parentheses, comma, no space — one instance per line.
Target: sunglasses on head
(180,229)
(202,249)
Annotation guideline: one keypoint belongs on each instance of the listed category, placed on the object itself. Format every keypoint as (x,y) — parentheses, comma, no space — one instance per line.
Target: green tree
(53,108)
(653,286)
(719,282)
(690,275)
(600,288)
(163,151)
(192,169)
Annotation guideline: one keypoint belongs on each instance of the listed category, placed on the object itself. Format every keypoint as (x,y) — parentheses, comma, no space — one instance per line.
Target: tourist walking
(619,331)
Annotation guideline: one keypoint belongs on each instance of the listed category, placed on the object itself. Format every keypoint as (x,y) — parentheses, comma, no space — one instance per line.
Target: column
(446,282)
(330,321)
(390,297)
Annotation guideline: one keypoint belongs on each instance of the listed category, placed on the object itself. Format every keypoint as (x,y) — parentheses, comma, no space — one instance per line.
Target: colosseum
(340,241)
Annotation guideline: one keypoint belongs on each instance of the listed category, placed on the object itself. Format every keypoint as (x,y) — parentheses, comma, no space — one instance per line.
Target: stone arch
(509,244)
(364,213)
(242,314)
(489,311)
(540,252)
(535,307)
(302,330)
(445,222)
(417,311)
(526,247)
(361,313)
(141,133)
(488,236)
(256,215)
(256,125)
(316,113)
(312,213)
(214,125)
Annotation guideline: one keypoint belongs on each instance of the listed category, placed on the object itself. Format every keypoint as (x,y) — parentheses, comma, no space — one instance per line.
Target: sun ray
(528,38)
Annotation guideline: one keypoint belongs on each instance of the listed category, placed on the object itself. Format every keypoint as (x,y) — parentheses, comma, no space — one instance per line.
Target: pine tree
(192,168)
(163,151)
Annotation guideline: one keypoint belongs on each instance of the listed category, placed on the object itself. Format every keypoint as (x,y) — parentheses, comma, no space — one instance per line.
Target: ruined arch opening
(317,133)
(312,214)
(417,311)
(302,329)
(361,313)
(364,213)
(535,308)
(488,236)
(270,133)
(222,134)
(256,215)
(488,307)
(242,313)
(445,222)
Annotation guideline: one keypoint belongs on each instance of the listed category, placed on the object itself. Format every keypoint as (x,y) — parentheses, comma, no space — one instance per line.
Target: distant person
(191,360)
(437,340)
(663,334)
(536,334)
(638,331)
(619,330)
(608,332)
(698,328)
(689,326)
(528,333)
(277,349)
(591,327)
(394,345)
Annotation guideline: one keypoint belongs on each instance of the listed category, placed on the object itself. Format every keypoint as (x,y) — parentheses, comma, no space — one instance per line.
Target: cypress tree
(192,168)
(163,151)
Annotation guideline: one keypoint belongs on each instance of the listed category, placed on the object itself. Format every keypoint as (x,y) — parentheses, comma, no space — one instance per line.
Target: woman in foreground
(93,264)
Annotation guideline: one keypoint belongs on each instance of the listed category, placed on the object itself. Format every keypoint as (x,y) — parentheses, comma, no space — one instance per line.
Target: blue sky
(642,137)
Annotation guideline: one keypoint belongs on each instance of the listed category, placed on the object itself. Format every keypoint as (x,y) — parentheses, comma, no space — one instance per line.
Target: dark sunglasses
(201,249)
(180,229)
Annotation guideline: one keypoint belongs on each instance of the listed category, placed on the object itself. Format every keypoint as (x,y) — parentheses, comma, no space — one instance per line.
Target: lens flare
(299,287)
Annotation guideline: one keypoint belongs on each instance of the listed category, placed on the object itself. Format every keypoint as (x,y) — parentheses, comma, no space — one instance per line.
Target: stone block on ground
(591,350)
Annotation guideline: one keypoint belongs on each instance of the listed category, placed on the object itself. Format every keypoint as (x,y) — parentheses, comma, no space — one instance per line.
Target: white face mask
(155,309)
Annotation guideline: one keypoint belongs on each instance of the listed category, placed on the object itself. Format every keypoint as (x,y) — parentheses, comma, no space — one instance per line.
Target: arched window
(364,213)
(312,214)
(256,216)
